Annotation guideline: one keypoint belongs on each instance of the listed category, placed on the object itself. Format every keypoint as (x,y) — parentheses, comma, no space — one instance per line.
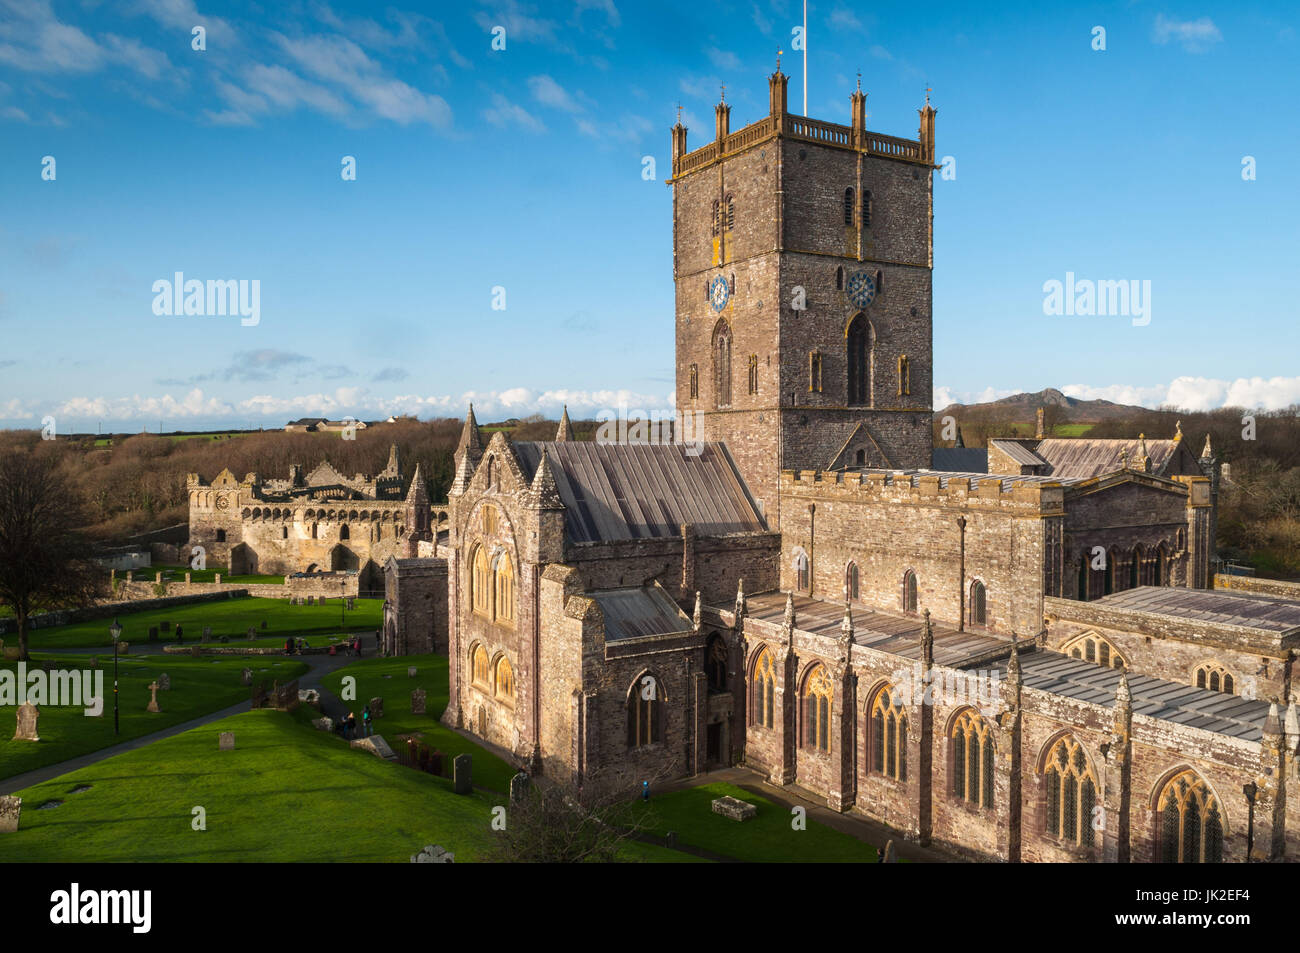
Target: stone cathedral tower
(802,255)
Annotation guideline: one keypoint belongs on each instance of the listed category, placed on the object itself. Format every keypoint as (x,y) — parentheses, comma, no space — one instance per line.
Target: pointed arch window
(839,279)
(1071,792)
(695,381)
(1092,647)
(715,663)
(717,216)
(972,760)
(815,371)
(848,206)
(1215,677)
(858,347)
(480,582)
(731,220)
(904,375)
(979,609)
(753,373)
(1191,826)
(801,575)
(866,208)
(909,592)
(817,709)
(763,690)
(722,364)
(503,578)
(887,738)
(851,588)
(505,680)
(479,667)
(644,713)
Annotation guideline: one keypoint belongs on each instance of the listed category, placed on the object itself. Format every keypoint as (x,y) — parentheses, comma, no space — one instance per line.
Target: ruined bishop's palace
(1022,659)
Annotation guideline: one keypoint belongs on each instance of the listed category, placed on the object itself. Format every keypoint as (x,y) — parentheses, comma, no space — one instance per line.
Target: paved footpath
(319,667)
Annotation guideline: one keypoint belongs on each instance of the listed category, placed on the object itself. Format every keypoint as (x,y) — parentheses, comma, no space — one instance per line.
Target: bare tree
(44,560)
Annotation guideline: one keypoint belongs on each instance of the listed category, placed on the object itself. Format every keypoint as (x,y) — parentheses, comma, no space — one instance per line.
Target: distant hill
(1024,407)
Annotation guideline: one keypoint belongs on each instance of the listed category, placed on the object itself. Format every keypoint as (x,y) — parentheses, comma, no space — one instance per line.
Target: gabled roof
(959,459)
(642,491)
(1018,452)
(1084,457)
(326,475)
(1252,611)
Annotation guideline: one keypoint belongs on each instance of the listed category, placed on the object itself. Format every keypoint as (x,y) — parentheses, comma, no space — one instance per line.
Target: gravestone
(164,682)
(263,624)
(246,676)
(377,746)
(252,633)
(410,672)
(153,699)
(518,788)
(196,651)
(734,808)
(323,724)
(889,855)
(10,809)
(670,840)
(376,707)
(433,854)
(462,771)
(418,699)
(311,600)
(28,716)
(352,603)
(207,632)
(153,633)
(226,741)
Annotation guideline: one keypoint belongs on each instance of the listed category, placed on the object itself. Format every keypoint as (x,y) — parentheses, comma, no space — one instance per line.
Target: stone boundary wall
(143,588)
(106,610)
(1256,586)
(960,492)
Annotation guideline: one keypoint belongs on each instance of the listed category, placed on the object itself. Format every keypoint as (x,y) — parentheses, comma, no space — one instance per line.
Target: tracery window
(978,604)
(972,760)
(1215,677)
(644,713)
(888,735)
(1071,792)
(1191,827)
(480,582)
(858,346)
(763,690)
(1092,647)
(817,709)
(722,364)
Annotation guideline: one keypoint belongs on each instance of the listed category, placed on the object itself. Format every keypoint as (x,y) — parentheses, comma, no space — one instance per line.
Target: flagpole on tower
(805,59)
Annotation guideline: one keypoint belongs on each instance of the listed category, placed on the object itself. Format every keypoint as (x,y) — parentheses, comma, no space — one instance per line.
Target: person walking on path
(352,725)
(366,726)
(178,633)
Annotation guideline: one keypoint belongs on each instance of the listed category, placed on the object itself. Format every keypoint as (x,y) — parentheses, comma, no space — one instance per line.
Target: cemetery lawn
(766,838)
(199,686)
(489,771)
(286,793)
(229,617)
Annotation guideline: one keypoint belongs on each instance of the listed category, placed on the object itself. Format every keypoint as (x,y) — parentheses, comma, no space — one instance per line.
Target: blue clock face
(719,293)
(862,288)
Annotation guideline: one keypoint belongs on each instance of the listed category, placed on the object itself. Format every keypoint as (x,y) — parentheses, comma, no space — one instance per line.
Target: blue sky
(522,168)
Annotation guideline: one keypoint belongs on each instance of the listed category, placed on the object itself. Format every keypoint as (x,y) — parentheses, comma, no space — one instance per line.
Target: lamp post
(115,630)
(1250,791)
(343,600)
(961,581)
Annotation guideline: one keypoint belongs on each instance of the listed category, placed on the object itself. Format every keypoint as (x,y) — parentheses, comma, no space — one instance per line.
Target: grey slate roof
(640,611)
(959,459)
(643,491)
(897,634)
(1264,613)
(1181,704)
(1018,452)
(1085,457)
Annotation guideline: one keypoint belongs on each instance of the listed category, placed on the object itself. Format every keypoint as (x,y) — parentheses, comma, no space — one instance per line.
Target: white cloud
(506,112)
(1195,36)
(550,93)
(724,59)
(844,19)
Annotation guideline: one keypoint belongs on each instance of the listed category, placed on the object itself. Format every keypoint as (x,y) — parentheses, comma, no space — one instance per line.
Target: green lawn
(230,617)
(489,770)
(177,574)
(1071,430)
(769,837)
(199,686)
(286,793)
